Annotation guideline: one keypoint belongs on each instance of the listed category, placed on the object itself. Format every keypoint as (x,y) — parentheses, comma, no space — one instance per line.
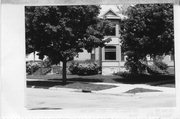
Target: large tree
(61,32)
(148,30)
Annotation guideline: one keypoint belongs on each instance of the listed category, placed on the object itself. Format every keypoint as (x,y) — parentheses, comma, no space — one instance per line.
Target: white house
(111,58)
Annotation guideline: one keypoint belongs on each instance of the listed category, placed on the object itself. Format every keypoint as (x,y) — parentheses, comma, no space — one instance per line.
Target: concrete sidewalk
(122,88)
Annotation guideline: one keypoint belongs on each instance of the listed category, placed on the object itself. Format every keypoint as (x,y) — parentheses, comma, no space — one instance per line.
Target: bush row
(31,67)
(158,67)
(84,68)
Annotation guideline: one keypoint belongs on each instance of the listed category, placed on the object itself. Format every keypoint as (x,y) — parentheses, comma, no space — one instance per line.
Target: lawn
(74,81)
(85,82)
(73,85)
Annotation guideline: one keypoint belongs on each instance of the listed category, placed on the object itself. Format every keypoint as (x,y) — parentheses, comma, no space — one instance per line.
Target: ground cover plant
(84,68)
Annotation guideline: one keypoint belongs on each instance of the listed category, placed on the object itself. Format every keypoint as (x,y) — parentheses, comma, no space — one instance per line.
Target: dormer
(115,19)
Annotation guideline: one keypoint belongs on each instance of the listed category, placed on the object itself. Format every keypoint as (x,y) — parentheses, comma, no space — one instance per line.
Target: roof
(110,14)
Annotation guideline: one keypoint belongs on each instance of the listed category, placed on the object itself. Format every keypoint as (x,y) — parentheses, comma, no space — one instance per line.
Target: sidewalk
(122,88)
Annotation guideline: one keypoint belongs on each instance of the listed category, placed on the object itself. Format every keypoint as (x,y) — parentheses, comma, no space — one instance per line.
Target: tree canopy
(61,32)
(148,30)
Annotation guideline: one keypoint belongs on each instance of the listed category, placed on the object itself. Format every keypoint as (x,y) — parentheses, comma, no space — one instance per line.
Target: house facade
(111,56)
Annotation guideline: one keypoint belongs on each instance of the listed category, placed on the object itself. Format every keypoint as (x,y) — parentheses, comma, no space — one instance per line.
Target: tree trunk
(64,72)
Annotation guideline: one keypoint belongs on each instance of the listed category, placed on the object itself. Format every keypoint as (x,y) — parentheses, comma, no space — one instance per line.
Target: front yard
(86,82)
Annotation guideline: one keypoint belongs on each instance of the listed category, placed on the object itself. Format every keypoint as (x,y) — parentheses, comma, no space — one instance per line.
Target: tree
(148,30)
(61,32)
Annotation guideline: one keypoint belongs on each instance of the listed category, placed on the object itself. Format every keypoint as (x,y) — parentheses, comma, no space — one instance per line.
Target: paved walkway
(121,88)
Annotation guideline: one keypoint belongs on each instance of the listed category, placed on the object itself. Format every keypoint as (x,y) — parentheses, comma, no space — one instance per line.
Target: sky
(107,7)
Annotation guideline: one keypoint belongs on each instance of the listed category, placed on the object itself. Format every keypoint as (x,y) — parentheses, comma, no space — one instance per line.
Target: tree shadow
(46,84)
(79,79)
(153,80)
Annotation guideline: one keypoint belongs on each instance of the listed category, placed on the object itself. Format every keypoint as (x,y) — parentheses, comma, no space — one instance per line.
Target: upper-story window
(111,30)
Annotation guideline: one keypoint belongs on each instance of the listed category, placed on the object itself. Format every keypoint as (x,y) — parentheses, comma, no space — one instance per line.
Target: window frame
(110,50)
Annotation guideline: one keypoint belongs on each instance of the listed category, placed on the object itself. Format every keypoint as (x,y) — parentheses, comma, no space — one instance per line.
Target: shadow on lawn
(80,79)
(153,80)
(45,84)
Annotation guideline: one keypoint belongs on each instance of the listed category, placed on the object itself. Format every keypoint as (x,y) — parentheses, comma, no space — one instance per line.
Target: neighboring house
(111,58)
(32,57)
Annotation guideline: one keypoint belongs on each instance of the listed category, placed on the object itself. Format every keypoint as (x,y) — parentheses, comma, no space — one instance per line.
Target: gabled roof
(110,14)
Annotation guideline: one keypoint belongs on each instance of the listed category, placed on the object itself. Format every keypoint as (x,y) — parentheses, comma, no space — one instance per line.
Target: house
(111,57)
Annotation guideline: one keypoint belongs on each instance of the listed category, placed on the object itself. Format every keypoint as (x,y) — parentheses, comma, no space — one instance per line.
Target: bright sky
(107,7)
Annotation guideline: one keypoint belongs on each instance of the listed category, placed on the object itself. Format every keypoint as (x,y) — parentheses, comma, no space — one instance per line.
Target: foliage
(46,63)
(61,32)
(148,30)
(31,67)
(154,70)
(133,64)
(161,65)
(86,68)
(42,71)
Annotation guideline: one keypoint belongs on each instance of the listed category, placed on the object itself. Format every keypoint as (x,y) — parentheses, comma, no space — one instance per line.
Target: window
(110,30)
(110,53)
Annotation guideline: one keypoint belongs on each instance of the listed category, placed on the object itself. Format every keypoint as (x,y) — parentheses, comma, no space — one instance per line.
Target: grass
(85,82)
(141,90)
(155,80)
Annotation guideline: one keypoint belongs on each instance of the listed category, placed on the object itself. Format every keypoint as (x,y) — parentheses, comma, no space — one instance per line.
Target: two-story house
(111,57)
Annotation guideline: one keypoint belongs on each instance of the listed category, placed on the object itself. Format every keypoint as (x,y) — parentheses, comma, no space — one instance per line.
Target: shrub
(90,68)
(135,67)
(161,65)
(139,67)
(123,74)
(31,67)
(154,70)
(46,63)
(131,76)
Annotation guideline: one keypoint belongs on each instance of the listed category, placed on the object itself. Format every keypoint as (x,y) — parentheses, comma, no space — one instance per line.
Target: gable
(110,13)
